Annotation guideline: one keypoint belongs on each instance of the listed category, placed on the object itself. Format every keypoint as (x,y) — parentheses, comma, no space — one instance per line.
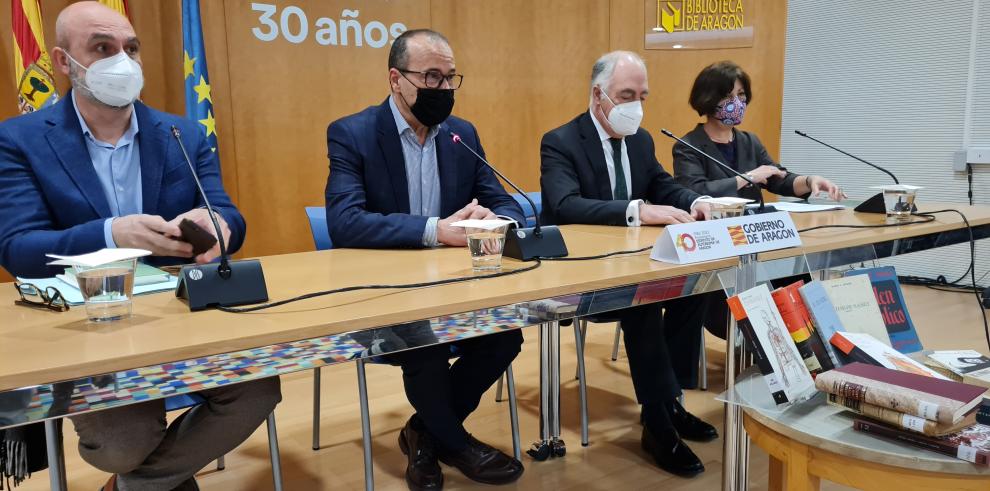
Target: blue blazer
(51,200)
(367,193)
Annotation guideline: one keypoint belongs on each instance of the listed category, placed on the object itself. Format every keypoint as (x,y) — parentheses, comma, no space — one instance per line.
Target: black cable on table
(406,286)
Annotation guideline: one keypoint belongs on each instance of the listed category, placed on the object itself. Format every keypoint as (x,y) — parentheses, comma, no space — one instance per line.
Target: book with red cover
(939,400)
(971,443)
(802,329)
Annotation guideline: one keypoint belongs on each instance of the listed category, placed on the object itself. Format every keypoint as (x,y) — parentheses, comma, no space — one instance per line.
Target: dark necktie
(620,192)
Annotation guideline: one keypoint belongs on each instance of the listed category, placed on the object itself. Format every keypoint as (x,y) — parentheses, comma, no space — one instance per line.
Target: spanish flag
(118,5)
(32,65)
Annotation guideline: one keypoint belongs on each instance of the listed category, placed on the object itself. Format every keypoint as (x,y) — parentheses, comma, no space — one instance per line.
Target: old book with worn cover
(857,308)
(823,315)
(865,348)
(943,401)
(802,329)
(770,334)
(887,291)
(971,443)
(898,419)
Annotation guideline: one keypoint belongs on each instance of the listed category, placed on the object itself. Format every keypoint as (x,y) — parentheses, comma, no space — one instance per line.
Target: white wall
(891,83)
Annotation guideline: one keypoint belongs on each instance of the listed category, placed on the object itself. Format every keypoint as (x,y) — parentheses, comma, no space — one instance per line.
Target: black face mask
(432,106)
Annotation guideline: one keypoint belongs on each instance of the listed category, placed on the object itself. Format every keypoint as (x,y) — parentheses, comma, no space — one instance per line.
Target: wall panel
(527,67)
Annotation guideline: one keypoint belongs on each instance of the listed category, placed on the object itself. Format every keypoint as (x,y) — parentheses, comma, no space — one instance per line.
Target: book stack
(922,411)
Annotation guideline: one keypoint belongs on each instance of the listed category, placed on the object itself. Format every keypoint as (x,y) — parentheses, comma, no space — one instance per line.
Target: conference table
(54,365)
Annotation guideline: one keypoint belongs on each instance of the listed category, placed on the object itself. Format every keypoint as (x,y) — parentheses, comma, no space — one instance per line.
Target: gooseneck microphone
(524,243)
(875,203)
(228,284)
(843,152)
(763,206)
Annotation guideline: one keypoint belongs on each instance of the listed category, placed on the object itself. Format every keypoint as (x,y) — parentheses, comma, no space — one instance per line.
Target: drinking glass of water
(899,200)
(486,246)
(107,289)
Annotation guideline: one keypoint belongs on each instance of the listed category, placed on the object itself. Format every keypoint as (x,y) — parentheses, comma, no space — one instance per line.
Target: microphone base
(876,205)
(756,210)
(524,245)
(203,287)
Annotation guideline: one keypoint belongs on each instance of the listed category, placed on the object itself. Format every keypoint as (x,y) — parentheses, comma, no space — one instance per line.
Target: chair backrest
(528,211)
(318,226)
(183,401)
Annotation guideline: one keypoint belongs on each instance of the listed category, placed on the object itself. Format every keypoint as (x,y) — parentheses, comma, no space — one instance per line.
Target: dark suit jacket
(706,177)
(51,200)
(574,176)
(367,197)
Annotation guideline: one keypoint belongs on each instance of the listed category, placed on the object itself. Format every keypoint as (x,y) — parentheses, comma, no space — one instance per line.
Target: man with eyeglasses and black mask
(100,169)
(398,181)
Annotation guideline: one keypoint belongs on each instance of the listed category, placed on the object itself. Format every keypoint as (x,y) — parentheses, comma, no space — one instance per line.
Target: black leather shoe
(671,454)
(423,472)
(483,463)
(690,427)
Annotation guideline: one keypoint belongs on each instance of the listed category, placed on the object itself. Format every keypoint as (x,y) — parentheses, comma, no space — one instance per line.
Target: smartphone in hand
(199,238)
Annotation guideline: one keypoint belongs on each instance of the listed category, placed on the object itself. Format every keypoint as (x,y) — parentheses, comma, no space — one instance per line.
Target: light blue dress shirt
(422,173)
(119,169)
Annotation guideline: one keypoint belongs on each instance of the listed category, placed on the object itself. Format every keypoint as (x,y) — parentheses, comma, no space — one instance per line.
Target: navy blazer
(575,183)
(367,193)
(51,200)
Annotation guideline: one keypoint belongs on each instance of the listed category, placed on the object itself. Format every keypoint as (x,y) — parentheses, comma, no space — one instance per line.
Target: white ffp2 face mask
(626,117)
(115,81)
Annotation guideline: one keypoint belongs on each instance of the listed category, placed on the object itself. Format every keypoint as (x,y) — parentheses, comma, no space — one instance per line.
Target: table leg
(550,444)
(798,478)
(735,444)
(56,455)
(775,482)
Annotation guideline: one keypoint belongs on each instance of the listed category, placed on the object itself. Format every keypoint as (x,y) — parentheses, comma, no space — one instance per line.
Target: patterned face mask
(730,112)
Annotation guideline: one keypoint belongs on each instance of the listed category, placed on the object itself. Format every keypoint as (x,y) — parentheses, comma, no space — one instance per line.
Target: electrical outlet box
(972,156)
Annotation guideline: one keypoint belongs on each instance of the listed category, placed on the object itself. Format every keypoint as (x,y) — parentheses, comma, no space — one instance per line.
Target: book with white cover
(772,335)
(874,352)
(857,307)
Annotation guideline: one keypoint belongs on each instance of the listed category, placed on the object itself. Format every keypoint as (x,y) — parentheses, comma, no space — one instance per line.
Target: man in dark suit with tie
(100,169)
(397,180)
(600,168)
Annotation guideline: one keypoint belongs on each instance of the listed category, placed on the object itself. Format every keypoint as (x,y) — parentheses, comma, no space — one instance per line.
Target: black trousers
(683,321)
(444,394)
(649,358)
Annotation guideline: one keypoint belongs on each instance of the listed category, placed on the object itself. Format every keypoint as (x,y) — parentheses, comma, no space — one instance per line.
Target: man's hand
(819,184)
(149,232)
(455,236)
(201,217)
(662,215)
(702,211)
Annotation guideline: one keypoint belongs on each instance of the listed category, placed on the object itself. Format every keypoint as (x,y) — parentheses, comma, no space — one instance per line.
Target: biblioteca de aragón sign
(699,24)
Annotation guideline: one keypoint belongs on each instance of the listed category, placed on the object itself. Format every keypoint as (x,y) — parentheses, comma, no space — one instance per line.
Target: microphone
(875,203)
(749,211)
(229,283)
(525,243)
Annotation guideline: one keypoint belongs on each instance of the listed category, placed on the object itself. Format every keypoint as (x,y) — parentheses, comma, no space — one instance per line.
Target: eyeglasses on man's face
(433,79)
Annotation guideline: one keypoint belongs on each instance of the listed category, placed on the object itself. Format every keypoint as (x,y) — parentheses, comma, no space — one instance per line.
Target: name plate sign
(695,242)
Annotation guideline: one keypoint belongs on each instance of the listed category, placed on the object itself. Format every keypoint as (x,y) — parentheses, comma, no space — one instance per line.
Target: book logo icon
(737,235)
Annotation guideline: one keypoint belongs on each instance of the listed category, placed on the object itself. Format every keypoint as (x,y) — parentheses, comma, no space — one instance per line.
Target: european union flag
(199,102)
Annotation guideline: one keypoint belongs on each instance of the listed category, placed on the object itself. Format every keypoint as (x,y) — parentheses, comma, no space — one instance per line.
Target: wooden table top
(42,347)
(819,425)
(838,238)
